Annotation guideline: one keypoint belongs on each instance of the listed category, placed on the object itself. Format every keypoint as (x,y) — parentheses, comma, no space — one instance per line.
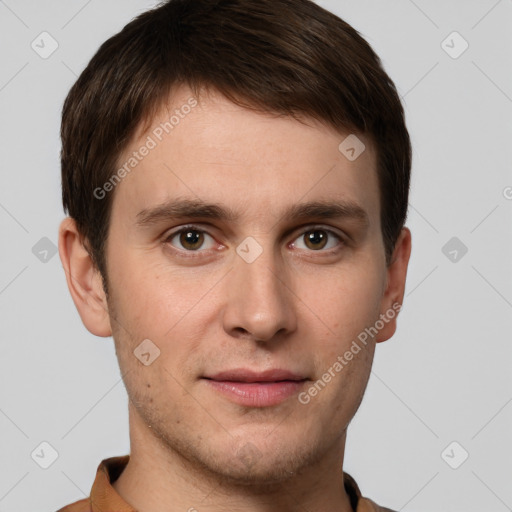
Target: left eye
(191,239)
(317,239)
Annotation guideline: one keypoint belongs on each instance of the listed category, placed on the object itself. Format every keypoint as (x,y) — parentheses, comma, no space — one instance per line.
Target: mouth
(256,389)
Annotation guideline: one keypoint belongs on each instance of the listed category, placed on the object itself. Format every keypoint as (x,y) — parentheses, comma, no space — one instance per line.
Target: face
(247,249)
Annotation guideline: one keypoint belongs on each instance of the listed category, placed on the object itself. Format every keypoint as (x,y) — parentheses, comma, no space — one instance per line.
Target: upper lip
(246,375)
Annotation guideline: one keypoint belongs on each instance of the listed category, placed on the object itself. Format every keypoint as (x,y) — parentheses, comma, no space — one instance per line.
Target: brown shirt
(104,497)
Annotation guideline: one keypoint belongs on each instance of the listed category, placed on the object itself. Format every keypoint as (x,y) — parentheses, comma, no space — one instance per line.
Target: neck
(159,477)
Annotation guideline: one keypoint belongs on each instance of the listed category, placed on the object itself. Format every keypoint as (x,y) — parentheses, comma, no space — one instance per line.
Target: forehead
(211,150)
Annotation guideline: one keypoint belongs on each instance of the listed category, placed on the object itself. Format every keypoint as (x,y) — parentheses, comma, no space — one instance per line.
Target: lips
(245,375)
(256,389)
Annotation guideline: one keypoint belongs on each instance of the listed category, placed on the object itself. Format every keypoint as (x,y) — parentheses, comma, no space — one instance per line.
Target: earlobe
(395,287)
(84,280)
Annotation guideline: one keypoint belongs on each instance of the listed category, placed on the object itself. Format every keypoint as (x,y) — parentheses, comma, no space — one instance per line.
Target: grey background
(444,377)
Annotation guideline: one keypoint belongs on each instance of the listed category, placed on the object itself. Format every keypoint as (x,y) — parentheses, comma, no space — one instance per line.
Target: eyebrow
(187,208)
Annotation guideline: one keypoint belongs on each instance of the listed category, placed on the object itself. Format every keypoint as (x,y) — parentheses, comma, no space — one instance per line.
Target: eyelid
(311,227)
(185,227)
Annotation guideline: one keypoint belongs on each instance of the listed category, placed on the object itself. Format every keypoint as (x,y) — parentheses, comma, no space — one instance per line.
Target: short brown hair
(289,57)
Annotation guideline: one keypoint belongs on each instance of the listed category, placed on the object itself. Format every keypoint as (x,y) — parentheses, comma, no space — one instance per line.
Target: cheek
(153,303)
(152,298)
(346,300)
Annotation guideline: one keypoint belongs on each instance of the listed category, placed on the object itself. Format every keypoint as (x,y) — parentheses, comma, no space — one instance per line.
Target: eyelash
(197,253)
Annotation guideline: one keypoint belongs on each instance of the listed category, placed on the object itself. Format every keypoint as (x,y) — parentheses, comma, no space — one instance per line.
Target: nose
(260,303)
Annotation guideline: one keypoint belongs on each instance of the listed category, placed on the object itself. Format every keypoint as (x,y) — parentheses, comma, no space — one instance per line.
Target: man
(236,174)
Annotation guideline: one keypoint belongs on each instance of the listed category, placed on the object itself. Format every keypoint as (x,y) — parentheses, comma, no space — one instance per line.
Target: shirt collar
(104,498)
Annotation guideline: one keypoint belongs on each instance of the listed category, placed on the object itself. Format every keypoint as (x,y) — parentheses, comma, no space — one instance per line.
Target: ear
(395,285)
(84,280)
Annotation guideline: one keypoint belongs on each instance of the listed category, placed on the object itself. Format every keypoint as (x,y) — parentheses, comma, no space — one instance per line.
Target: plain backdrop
(441,389)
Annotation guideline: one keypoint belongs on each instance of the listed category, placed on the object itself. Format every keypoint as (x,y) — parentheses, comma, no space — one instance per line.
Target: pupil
(192,239)
(316,238)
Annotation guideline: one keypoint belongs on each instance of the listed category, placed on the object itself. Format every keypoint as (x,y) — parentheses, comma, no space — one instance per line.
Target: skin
(298,306)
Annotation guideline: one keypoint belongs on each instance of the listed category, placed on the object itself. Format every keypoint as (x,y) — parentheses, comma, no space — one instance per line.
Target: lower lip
(257,394)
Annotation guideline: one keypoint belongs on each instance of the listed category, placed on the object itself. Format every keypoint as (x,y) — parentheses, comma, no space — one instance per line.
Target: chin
(257,465)
(265,473)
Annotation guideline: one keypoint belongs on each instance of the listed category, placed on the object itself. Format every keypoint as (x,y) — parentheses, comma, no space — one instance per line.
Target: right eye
(190,238)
